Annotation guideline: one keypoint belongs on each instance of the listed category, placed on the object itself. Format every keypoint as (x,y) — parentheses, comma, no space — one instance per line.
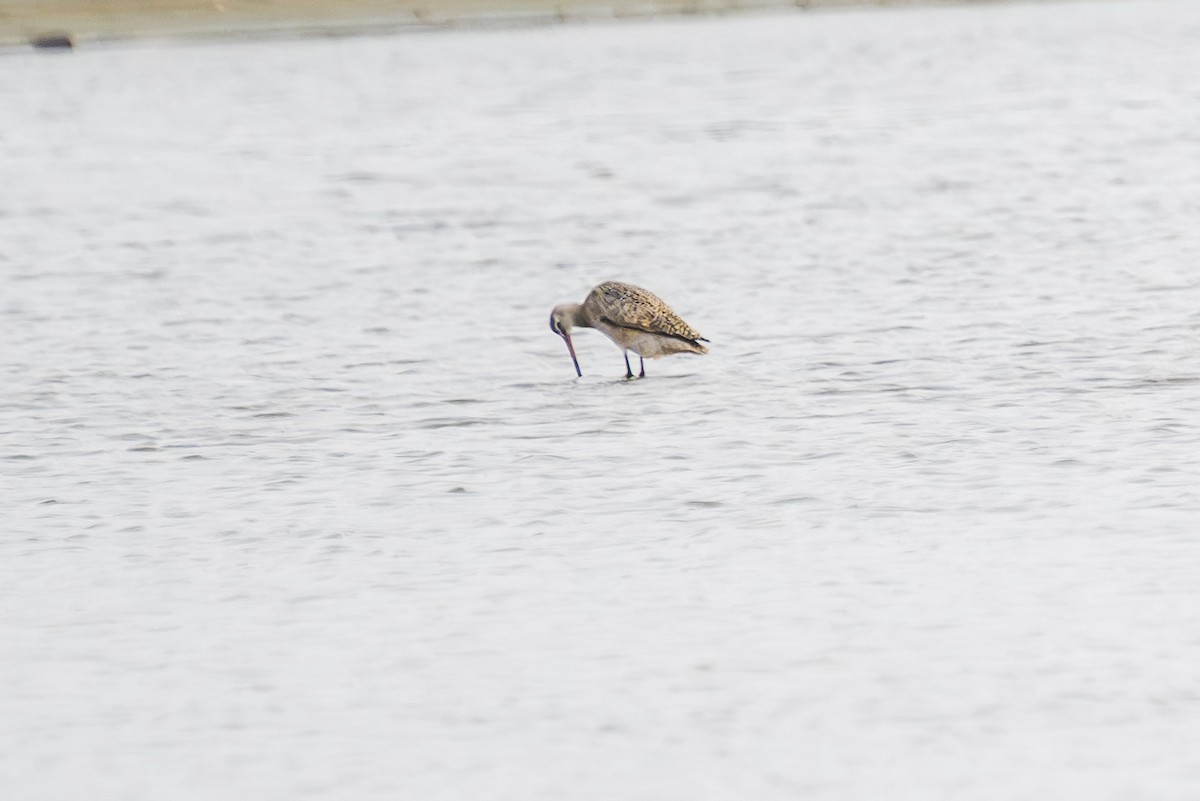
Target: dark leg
(628,369)
(641,362)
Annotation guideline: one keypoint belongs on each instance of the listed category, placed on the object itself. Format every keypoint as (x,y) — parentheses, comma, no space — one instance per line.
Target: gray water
(301,498)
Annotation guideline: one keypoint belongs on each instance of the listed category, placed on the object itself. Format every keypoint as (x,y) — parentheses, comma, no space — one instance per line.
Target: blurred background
(29,20)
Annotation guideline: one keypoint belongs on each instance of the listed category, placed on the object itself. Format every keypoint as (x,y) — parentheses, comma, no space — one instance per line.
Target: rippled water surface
(301,499)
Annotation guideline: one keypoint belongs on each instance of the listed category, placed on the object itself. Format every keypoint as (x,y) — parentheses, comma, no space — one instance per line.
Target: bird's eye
(554,326)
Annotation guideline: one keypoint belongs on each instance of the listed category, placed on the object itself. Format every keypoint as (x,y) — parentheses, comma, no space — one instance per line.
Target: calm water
(301,499)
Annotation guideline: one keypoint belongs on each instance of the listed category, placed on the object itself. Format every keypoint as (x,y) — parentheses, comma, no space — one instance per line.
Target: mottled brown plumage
(634,318)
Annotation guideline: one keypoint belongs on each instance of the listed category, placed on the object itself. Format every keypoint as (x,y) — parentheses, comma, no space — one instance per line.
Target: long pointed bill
(570,347)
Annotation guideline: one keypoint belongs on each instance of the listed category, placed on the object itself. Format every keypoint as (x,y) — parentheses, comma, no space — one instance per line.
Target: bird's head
(560,320)
(560,323)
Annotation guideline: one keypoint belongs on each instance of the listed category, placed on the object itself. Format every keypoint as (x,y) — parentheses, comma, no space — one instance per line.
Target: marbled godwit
(636,320)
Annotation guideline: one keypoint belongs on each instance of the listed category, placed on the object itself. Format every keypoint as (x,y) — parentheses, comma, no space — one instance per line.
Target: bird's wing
(630,306)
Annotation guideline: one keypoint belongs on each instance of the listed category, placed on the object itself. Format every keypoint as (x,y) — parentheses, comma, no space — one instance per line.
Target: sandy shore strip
(80,21)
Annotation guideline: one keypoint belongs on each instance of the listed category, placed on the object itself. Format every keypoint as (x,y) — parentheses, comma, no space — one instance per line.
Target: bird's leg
(642,362)
(628,369)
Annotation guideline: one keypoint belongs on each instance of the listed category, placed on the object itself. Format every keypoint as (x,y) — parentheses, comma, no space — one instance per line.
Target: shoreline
(64,23)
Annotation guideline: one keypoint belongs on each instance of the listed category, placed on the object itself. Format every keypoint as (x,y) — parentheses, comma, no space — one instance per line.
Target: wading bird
(636,320)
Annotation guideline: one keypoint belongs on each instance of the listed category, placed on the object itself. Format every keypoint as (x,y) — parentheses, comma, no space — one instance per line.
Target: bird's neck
(574,316)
